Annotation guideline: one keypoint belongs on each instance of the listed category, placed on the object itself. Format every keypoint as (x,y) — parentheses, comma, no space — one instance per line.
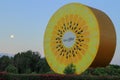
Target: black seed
(80,45)
(60,31)
(74,48)
(81,30)
(67,27)
(65,50)
(76,31)
(72,52)
(63,31)
(78,48)
(60,35)
(60,53)
(83,40)
(67,57)
(62,47)
(73,55)
(58,49)
(64,26)
(67,53)
(57,46)
(77,42)
(63,54)
(72,28)
(75,28)
(81,36)
(70,22)
(59,41)
(79,33)
(57,38)
(77,24)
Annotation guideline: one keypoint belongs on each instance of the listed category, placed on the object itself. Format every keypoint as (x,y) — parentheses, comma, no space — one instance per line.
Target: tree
(26,61)
(70,69)
(4,62)
(18,62)
(42,66)
(11,69)
(28,71)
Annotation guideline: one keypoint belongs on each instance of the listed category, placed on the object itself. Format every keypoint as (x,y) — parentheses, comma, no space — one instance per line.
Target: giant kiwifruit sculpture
(79,35)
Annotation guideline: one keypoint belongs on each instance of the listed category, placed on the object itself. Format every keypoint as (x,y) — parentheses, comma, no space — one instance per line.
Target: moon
(12,36)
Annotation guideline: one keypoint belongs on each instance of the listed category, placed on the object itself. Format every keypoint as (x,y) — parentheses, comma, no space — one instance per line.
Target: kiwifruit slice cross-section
(75,35)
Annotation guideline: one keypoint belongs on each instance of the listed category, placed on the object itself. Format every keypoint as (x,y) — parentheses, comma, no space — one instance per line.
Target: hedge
(8,76)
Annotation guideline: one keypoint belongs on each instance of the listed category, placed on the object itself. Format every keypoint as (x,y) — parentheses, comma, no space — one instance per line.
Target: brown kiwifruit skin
(107,44)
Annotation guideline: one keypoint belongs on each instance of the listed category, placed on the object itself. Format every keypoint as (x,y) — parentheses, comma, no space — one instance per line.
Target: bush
(50,72)
(11,69)
(70,69)
(55,77)
(28,71)
(111,70)
(100,71)
(33,73)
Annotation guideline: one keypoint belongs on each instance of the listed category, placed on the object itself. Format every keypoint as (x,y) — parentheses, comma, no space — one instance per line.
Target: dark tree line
(24,62)
(31,62)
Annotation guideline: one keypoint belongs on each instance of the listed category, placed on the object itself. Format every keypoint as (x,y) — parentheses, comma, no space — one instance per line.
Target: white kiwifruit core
(68,39)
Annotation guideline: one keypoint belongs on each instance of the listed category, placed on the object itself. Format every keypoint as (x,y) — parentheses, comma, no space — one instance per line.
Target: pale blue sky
(27,20)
